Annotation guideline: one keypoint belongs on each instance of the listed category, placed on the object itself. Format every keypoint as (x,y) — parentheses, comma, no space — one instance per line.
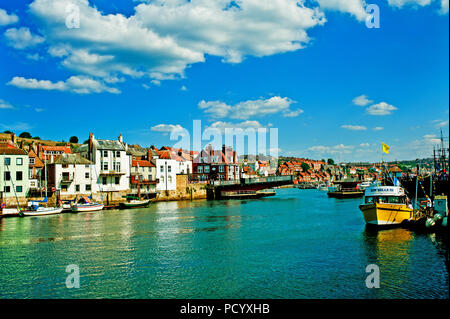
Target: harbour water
(297,244)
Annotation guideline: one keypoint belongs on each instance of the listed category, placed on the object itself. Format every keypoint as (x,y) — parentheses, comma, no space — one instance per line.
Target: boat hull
(126,205)
(87,208)
(43,212)
(356,194)
(385,214)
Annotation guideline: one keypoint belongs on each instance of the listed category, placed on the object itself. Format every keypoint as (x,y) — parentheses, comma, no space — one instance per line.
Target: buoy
(429,223)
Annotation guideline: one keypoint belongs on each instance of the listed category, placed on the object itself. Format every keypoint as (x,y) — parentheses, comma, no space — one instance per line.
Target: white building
(111,162)
(166,173)
(13,173)
(72,174)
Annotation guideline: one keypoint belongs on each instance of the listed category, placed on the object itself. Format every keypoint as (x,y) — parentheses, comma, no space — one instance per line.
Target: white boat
(43,211)
(364,185)
(85,205)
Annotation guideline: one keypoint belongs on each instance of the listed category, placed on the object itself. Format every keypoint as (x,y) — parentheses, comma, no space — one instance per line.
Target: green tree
(25,135)
(36,138)
(7,132)
(305,167)
(330,161)
(73,139)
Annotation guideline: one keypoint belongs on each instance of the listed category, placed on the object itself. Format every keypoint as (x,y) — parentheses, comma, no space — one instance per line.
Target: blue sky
(332,86)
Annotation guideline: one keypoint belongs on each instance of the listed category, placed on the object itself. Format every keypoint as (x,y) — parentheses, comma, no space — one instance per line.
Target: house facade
(72,174)
(216,165)
(111,163)
(13,172)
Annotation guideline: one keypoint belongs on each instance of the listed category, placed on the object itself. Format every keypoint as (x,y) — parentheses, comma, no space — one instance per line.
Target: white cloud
(75,84)
(252,108)
(364,145)
(361,100)
(354,127)
(381,108)
(163,37)
(183,88)
(378,128)
(5,105)
(337,149)
(401,3)
(353,7)
(6,19)
(243,125)
(166,128)
(440,123)
(22,38)
(18,126)
(444,7)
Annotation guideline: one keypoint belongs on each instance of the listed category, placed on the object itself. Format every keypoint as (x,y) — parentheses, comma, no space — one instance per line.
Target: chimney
(149,154)
(13,138)
(90,146)
(224,150)
(120,138)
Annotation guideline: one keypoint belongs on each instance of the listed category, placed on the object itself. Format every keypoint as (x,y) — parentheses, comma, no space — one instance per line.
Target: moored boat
(135,203)
(40,211)
(386,206)
(85,205)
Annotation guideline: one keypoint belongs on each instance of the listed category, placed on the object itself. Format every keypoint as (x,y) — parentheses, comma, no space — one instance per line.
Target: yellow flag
(385,148)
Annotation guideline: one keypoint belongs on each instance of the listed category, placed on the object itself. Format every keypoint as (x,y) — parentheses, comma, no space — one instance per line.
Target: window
(117,180)
(116,166)
(88,188)
(19,176)
(7,161)
(169,179)
(65,165)
(7,189)
(161,169)
(369,200)
(86,175)
(200,169)
(206,168)
(169,168)
(87,165)
(104,182)
(32,160)
(117,153)
(19,189)
(77,188)
(105,153)
(105,166)
(7,176)
(221,168)
(64,188)
(19,161)
(162,179)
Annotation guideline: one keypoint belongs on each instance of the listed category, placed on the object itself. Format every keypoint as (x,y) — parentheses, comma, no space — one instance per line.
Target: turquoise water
(298,244)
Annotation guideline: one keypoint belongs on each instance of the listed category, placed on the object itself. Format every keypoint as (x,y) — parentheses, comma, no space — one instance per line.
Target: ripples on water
(298,244)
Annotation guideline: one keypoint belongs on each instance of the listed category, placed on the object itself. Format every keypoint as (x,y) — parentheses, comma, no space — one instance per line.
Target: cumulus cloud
(364,145)
(340,148)
(243,125)
(5,105)
(361,100)
(401,3)
(353,7)
(22,38)
(7,19)
(163,37)
(166,128)
(354,127)
(75,84)
(444,7)
(381,109)
(252,108)
(378,128)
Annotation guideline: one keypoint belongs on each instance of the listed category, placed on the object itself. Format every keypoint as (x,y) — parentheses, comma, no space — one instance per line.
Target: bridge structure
(248,185)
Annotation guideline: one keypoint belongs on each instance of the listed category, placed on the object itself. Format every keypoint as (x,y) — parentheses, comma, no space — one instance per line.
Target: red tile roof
(141,163)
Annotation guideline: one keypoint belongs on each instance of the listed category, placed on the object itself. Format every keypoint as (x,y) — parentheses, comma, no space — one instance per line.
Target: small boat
(247,194)
(364,185)
(386,206)
(85,205)
(135,203)
(345,189)
(40,211)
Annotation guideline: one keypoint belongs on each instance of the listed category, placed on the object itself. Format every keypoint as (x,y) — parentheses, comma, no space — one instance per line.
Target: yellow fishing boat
(386,206)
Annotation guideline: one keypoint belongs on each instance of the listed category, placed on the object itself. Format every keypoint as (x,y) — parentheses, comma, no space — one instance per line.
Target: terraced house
(111,165)
(13,174)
